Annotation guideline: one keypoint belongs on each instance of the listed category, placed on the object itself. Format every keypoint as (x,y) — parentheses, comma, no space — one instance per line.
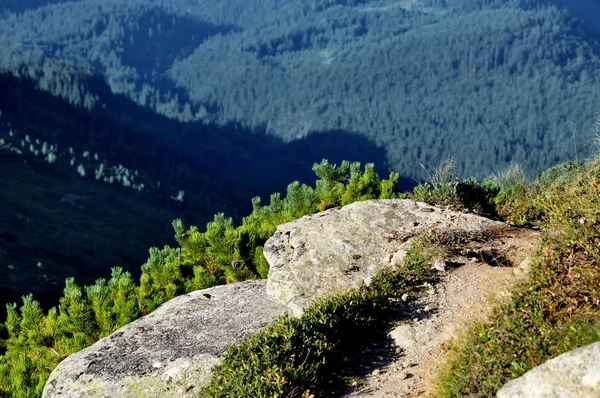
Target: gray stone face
(575,374)
(170,352)
(336,250)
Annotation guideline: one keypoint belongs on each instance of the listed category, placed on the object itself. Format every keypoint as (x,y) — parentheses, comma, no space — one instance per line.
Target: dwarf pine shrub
(223,253)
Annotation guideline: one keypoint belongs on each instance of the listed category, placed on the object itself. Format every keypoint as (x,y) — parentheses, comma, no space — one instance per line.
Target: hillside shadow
(238,162)
(588,11)
(260,164)
(220,168)
(157,39)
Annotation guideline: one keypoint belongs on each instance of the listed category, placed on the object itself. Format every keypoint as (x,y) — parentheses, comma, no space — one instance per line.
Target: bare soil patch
(478,273)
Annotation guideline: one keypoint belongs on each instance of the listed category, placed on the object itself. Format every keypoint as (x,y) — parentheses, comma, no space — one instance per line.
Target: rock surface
(170,352)
(575,374)
(336,250)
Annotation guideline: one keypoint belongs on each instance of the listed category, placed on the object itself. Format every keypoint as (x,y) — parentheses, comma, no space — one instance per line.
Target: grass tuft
(443,188)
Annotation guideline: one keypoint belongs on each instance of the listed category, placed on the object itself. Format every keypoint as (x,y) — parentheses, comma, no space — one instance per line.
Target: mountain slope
(484,82)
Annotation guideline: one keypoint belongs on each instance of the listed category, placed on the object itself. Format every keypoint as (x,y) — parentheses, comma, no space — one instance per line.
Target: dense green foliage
(223,253)
(485,82)
(297,357)
(555,310)
(444,188)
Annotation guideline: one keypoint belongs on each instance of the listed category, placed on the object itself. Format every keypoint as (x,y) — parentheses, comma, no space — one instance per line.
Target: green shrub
(2,338)
(559,174)
(477,197)
(330,186)
(515,200)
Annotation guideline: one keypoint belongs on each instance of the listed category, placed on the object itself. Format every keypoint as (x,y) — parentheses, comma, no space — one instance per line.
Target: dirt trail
(481,272)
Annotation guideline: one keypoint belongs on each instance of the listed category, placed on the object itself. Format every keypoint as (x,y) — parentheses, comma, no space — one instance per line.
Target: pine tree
(75,315)
(299,201)
(123,292)
(330,187)
(161,279)
(99,298)
(389,188)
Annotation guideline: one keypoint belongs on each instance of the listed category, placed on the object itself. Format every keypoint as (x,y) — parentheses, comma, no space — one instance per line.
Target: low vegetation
(296,357)
(556,310)
(444,188)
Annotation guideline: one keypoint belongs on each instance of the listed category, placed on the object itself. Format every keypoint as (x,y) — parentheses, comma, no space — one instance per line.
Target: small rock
(526,264)
(404,297)
(376,372)
(439,265)
(404,336)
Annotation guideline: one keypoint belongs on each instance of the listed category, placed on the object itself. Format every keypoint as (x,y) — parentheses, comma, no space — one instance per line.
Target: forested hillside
(184,108)
(486,82)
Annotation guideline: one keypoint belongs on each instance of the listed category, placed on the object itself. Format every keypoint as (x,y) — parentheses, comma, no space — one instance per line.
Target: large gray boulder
(575,374)
(170,352)
(336,250)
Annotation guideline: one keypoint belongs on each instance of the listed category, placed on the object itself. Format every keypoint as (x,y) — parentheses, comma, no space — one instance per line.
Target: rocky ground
(479,274)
